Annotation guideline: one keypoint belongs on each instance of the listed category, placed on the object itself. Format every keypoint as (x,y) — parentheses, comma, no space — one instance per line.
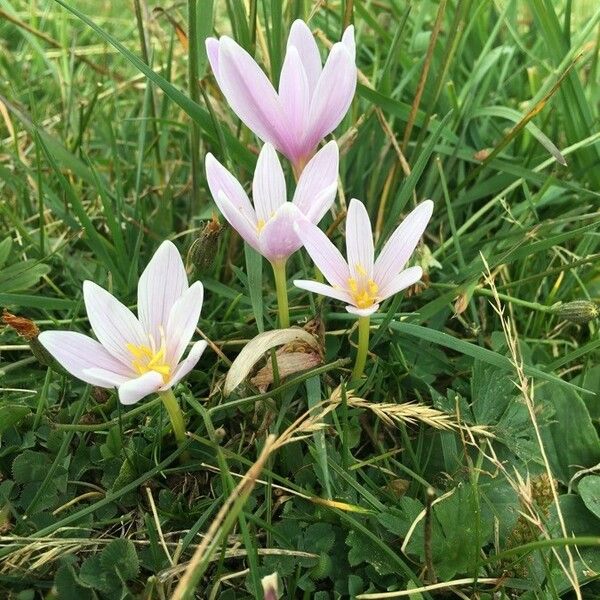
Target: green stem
(363,347)
(282,295)
(175,414)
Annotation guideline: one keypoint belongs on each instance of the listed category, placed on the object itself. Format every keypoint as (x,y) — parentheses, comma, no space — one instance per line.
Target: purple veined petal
(278,238)
(402,242)
(244,224)
(186,365)
(400,282)
(161,284)
(134,390)
(106,378)
(324,254)
(268,185)
(302,39)
(114,324)
(221,180)
(348,41)
(212,52)
(362,312)
(332,96)
(359,240)
(78,353)
(251,95)
(294,96)
(323,289)
(182,322)
(317,185)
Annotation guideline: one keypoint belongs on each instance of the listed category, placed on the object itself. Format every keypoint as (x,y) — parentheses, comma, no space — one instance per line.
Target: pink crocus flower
(138,356)
(268,226)
(311,100)
(362,282)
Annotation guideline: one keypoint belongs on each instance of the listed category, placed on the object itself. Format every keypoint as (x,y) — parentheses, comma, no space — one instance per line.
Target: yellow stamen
(364,293)
(260,225)
(147,359)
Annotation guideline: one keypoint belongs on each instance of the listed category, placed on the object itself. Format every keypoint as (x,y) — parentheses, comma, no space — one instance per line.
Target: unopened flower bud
(203,250)
(270,587)
(578,311)
(29,331)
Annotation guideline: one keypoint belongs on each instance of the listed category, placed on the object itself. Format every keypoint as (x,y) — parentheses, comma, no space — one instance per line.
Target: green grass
(103,144)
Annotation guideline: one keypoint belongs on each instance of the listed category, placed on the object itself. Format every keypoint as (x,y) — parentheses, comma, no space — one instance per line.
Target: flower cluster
(144,354)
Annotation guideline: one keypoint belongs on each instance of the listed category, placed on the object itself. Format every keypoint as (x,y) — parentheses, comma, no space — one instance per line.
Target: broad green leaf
(589,489)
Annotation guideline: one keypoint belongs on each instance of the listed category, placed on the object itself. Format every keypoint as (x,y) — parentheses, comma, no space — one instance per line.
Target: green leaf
(11,414)
(5,246)
(120,556)
(570,439)
(589,490)
(22,275)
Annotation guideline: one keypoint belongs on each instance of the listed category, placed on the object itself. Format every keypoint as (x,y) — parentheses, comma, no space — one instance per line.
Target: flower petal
(114,324)
(362,312)
(359,240)
(104,378)
(186,365)
(212,52)
(268,185)
(402,242)
(323,289)
(294,96)
(221,180)
(302,39)
(324,254)
(317,185)
(348,41)
(78,353)
(400,282)
(134,390)
(238,220)
(250,94)
(278,238)
(161,284)
(182,322)
(333,95)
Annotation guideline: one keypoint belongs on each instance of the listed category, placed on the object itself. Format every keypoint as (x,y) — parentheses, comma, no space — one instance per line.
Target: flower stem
(363,347)
(282,295)
(175,414)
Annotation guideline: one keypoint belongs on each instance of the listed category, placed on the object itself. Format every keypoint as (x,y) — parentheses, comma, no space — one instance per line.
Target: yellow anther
(146,359)
(260,225)
(364,293)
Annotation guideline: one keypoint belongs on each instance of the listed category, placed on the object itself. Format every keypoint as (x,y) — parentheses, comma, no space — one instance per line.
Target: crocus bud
(578,311)
(29,331)
(270,587)
(203,250)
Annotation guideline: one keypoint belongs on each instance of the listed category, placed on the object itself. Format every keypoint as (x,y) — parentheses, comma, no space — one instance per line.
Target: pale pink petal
(302,39)
(161,284)
(294,96)
(402,242)
(241,222)
(212,52)
(359,240)
(362,312)
(324,254)
(317,185)
(400,282)
(250,94)
(78,353)
(323,289)
(278,239)
(134,390)
(333,95)
(221,180)
(104,378)
(186,365)
(182,322)
(114,324)
(268,185)
(348,41)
